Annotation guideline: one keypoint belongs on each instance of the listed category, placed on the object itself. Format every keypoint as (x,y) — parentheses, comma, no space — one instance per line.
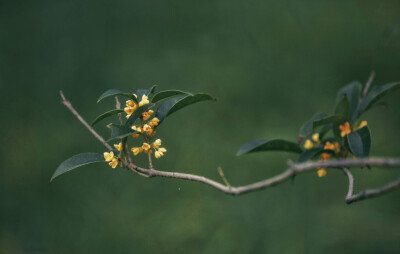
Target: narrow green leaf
(343,106)
(373,96)
(307,128)
(328,120)
(106,114)
(118,131)
(114,92)
(167,94)
(353,92)
(77,161)
(172,105)
(138,112)
(360,142)
(269,145)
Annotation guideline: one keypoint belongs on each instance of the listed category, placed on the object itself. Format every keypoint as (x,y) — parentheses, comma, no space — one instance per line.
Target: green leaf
(360,142)
(106,114)
(167,94)
(343,106)
(307,127)
(373,96)
(114,92)
(328,120)
(353,92)
(118,131)
(269,145)
(138,112)
(312,153)
(77,161)
(172,105)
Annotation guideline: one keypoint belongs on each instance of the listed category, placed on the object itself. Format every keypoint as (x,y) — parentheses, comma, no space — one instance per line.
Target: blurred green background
(270,64)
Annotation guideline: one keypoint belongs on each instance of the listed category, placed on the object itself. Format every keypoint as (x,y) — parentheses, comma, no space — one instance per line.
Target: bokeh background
(270,64)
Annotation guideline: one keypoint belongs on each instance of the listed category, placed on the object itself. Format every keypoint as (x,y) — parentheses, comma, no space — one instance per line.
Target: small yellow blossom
(151,112)
(131,104)
(136,150)
(157,154)
(150,132)
(146,146)
(129,110)
(345,129)
(113,163)
(325,156)
(146,127)
(118,146)
(138,129)
(157,143)
(162,149)
(315,137)
(108,156)
(144,101)
(154,121)
(329,146)
(135,135)
(146,115)
(321,172)
(362,124)
(308,144)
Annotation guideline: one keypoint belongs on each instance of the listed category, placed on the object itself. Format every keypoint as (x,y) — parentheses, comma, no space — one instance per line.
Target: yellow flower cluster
(111,159)
(345,129)
(131,106)
(147,148)
(308,144)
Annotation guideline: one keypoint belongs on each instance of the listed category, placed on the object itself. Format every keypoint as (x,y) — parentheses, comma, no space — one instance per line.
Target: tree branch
(71,108)
(294,169)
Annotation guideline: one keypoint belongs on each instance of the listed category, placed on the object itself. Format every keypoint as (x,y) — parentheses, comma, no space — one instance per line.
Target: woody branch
(294,169)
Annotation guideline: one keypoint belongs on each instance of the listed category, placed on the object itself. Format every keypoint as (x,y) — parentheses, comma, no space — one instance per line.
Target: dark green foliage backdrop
(270,64)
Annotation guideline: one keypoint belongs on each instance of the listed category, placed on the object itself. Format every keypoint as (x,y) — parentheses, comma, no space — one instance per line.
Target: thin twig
(293,170)
(368,85)
(150,161)
(71,108)
(221,174)
(118,106)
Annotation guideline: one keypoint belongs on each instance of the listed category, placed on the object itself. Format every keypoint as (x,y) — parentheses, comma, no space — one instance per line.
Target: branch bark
(294,169)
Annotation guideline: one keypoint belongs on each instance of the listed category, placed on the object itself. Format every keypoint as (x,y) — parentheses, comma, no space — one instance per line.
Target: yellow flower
(162,150)
(157,154)
(315,137)
(108,156)
(151,112)
(325,156)
(135,135)
(144,101)
(329,146)
(308,144)
(131,104)
(146,127)
(157,143)
(345,129)
(136,150)
(138,129)
(362,124)
(129,110)
(154,121)
(118,146)
(149,132)
(146,147)
(321,172)
(145,116)
(113,163)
